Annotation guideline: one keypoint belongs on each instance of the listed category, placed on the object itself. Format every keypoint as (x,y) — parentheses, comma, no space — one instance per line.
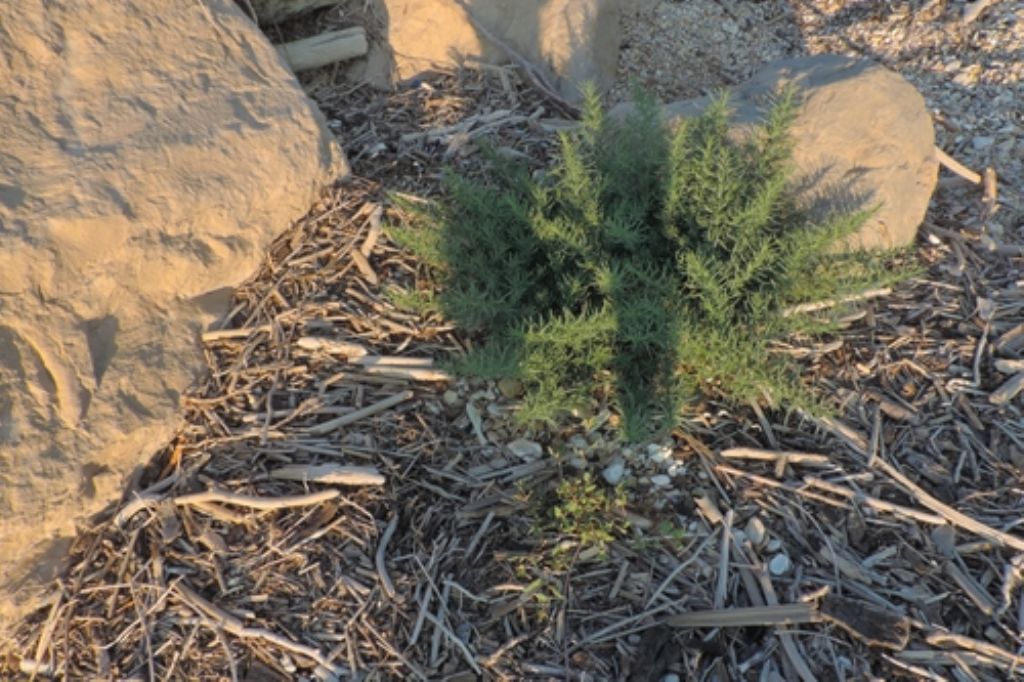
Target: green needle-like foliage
(648,266)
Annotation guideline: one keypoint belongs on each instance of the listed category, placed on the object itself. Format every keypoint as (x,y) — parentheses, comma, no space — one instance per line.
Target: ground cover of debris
(335,507)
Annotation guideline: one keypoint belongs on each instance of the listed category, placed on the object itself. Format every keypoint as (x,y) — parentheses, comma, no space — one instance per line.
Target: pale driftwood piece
(276,11)
(410,373)
(227,334)
(217,618)
(952,164)
(368,411)
(393,361)
(364,267)
(751,616)
(815,306)
(991,194)
(1011,340)
(875,503)
(1009,366)
(324,49)
(984,648)
(334,474)
(809,458)
(1008,390)
(973,10)
(253,502)
(347,349)
(952,515)
(376,230)
(771,483)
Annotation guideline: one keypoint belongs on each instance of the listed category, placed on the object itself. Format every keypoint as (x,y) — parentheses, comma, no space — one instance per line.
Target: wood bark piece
(368,411)
(347,349)
(955,517)
(1008,390)
(872,625)
(336,474)
(323,49)
(952,164)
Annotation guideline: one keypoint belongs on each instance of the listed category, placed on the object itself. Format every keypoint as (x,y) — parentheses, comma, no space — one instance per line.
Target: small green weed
(588,514)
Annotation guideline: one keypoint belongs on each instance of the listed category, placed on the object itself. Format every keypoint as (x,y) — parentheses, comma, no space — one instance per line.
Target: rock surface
(150,152)
(572,41)
(863,136)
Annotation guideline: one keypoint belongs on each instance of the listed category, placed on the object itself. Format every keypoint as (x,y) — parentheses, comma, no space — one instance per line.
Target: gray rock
(151,151)
(525,449)
(756,531)
(614,471)
(661,480)
(863,136)
(779,564)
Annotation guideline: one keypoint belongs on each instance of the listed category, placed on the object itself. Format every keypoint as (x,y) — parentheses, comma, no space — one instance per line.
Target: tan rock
(573,41)
(150,152)
(863,136)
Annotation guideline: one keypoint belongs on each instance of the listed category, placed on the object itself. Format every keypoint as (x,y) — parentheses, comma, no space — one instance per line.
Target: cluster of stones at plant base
(660,477)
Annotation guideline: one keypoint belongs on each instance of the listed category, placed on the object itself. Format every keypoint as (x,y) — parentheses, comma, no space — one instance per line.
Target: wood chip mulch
(336,507)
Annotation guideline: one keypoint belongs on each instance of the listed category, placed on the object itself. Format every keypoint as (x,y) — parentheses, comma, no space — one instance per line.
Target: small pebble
(577,463)
(676,469)
(661,480)
(614,471)
(774,545)
(658,453)
(525,449)
(756,531)
(779,564)
(671,677)
(577,441)
(451,397)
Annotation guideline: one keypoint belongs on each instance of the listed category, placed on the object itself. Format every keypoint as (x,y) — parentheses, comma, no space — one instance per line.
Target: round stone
(779,564)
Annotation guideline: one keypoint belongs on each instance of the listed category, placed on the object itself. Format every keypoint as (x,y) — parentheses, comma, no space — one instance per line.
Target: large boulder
(150,152)
(862,137)
(570,41)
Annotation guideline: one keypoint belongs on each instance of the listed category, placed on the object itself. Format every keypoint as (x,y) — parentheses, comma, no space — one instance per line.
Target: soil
(880,544)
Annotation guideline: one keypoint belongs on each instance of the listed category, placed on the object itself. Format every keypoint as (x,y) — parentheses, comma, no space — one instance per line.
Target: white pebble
(676,469)
(661,480)
(779,564)
(756,531)
(671,677)
(774,545)
(525,449)
(658,453)
(614,471)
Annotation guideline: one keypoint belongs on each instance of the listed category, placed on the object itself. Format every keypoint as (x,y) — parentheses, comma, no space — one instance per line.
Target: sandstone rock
(863,136)
(573,41)
(150,152)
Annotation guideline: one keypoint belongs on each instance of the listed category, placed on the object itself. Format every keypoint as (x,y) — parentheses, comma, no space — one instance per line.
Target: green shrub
(648,266)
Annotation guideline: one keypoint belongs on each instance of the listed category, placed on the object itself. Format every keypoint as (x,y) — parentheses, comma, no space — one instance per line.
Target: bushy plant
(648,266)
